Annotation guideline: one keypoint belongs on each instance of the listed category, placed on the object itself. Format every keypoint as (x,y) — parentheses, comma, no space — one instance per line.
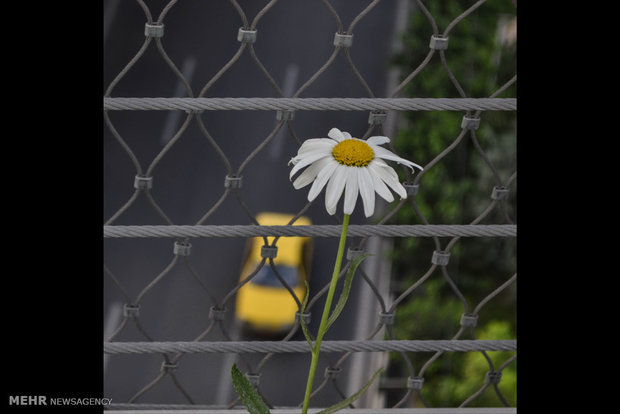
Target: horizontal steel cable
(358,230)
(302,346)
(305,104)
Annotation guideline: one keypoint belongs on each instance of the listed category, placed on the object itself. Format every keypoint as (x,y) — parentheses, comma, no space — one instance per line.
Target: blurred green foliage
(482,57)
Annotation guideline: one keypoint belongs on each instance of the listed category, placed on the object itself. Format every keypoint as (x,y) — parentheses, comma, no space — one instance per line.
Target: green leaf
(345,403)
(344,295)
(302,322)
(249,396)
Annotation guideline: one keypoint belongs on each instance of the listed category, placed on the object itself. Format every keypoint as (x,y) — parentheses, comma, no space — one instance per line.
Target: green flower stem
(328,304)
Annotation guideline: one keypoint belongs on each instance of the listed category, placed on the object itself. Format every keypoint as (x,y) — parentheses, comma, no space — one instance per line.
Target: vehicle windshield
(266,276)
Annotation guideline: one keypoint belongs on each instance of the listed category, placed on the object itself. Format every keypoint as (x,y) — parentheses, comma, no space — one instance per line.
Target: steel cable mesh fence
(133,337)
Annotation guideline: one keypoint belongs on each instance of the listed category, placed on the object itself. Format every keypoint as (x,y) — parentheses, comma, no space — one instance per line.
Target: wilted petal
(381,152)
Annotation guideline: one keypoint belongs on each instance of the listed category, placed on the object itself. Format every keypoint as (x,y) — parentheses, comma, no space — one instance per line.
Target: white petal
(350,192)
(311,146)
(327,169)
(367,191)
(381,152)
(379,162)
(388,175)
(400,190)
(316,143)
(378,183)
(301,162)
(347,135)
(305,150)
(309,151)
(336,134)
(306,177)
(385,167)
(335,187)
(298,158)
(332,209)
(310,173)
(378,140)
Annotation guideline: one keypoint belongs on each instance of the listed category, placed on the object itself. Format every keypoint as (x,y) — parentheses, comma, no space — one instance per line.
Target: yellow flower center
(353,153)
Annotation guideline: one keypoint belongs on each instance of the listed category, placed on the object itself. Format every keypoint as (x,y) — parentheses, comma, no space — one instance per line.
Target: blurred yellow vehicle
(263,304)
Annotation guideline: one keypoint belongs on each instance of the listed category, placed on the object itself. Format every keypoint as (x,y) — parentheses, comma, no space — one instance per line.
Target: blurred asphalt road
(294,40)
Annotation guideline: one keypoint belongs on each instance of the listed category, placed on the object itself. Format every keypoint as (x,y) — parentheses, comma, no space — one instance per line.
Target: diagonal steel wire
(262,12)
(463,15)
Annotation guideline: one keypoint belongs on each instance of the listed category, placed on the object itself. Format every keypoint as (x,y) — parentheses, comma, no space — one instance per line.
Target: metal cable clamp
(165,367)
(182,248)
(343,40)
(306,315)
(154,29)
(232,181)
(269,252)
(217,314)
(438,42)
(415,383)
(386,318)
(246,35)
(377,117)
(469,320)
(143,183)
(253,378)
(493,377)
(131,311)
(412,189)
(354,252)
(499,193)
(285,115)
(470,123)
(440,258)
(331,372)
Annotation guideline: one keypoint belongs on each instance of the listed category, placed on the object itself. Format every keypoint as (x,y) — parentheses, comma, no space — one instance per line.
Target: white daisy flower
(343,163)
